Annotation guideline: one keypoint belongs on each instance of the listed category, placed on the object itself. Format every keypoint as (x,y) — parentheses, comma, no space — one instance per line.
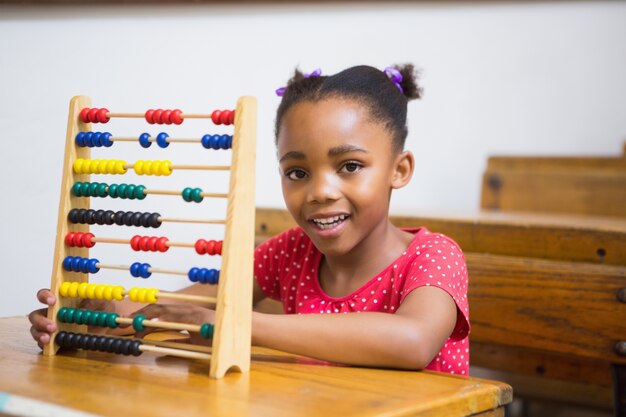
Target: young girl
(355,289)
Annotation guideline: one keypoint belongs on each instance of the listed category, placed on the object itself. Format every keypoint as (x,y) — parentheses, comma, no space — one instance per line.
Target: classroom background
(499,78)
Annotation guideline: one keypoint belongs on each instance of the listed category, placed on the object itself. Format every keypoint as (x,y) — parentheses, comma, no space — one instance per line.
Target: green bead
(140,192)
(93,189)
(113,190)
(111,320)
(206,330)
(121,190)
(93,318)
(86,317)
(196,195)
(76,189)
(130,191)
(102,319)
(84,189)
(138,322)
(69,315)
(61,314)
(102,190)
(187,194)
(78,316)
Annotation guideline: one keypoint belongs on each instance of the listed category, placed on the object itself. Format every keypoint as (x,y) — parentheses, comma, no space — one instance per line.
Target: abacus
(230,333)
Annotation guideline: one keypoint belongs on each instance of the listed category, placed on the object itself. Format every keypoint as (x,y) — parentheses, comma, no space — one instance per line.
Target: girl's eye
(295,174)
(351,167)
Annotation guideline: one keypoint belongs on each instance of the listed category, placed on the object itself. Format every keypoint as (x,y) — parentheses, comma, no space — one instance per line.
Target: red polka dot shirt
(286,269)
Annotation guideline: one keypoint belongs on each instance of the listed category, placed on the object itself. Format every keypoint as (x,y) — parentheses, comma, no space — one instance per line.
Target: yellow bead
(100,291)
(82,290)
(118,292)
(147,168)
(108,293)
(65,287)
(151,296)
(132,294)
(139,167)
(166,168)
(141,295)
(91,291)
(78,166)
(73,289)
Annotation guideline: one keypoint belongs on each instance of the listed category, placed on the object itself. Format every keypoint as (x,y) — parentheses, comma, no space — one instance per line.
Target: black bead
(134,348)
(136,219)
(109,216)
(60,339)
(90,217)
(91,342)
(154,220)
(119,218)
(99,216)
(72,216)
(125,347)
(108,345)
(101,343)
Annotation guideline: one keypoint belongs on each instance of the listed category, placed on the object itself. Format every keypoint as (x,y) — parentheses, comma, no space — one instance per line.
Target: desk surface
(278,384)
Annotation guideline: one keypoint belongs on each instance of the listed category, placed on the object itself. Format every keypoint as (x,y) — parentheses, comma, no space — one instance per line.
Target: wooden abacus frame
(232,327)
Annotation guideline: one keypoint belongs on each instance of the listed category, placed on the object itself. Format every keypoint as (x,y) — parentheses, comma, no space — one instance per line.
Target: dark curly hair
(366,85)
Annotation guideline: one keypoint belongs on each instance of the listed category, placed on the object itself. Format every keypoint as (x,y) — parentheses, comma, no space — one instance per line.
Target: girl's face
(337,169)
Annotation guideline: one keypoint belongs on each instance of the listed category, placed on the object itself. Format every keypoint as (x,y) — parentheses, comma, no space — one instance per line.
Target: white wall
(499,78)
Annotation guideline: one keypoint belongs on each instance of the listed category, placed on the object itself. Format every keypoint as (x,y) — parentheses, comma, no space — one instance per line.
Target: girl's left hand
(178,313)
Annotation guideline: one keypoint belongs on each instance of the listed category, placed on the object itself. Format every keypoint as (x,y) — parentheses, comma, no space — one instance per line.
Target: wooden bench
(547,297)
(574,185)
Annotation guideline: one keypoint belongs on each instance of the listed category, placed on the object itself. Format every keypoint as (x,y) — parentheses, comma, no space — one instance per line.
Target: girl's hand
(42,328)
(179,313)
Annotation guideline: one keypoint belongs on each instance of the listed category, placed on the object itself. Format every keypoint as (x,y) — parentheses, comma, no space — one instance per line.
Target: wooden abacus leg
(232,340)
(67,202)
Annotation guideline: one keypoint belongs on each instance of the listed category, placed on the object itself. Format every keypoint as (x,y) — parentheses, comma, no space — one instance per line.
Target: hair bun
(410,88)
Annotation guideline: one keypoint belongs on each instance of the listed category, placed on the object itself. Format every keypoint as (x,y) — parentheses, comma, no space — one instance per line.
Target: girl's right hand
(40,327)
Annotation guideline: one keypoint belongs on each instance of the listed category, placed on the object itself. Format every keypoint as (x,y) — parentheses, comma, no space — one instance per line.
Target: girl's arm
(408,339)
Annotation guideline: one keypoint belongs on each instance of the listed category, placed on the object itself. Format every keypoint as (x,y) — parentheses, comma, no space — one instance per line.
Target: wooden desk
(278,384)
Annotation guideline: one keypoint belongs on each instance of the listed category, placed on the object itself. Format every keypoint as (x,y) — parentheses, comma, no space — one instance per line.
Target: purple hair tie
(395,77)
(316,73)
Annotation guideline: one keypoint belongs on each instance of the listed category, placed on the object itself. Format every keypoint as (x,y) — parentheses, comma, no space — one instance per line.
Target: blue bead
(80,139)
(89,139)
(134,269)
(92,266)
(205,141)
(106,139)
(202,275)
(143,271)
(215,141)
(83,265)
(75,264)
(144,140)
(213,276)
(97,136)
(162,140)
(67,263)
(224,139)
(193,274)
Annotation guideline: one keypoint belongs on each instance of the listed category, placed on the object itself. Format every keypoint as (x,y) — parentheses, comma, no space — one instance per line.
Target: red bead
(143,244)
(69,239)
(93,115)
(218,247)
(215,116)
(152,243)
(231,119)
(102,116)
(225,117)
(156,116)
(176,119)
(166,117)
(162,244)
(200,246)
(84,115)
(87,240)
(134,242)
(210,247)
(149,116)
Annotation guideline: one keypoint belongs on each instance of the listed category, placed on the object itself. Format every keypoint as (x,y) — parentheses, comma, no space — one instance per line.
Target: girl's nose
(323,188)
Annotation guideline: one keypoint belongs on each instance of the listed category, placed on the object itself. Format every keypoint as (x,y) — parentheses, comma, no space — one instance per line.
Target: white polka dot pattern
(286,268)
